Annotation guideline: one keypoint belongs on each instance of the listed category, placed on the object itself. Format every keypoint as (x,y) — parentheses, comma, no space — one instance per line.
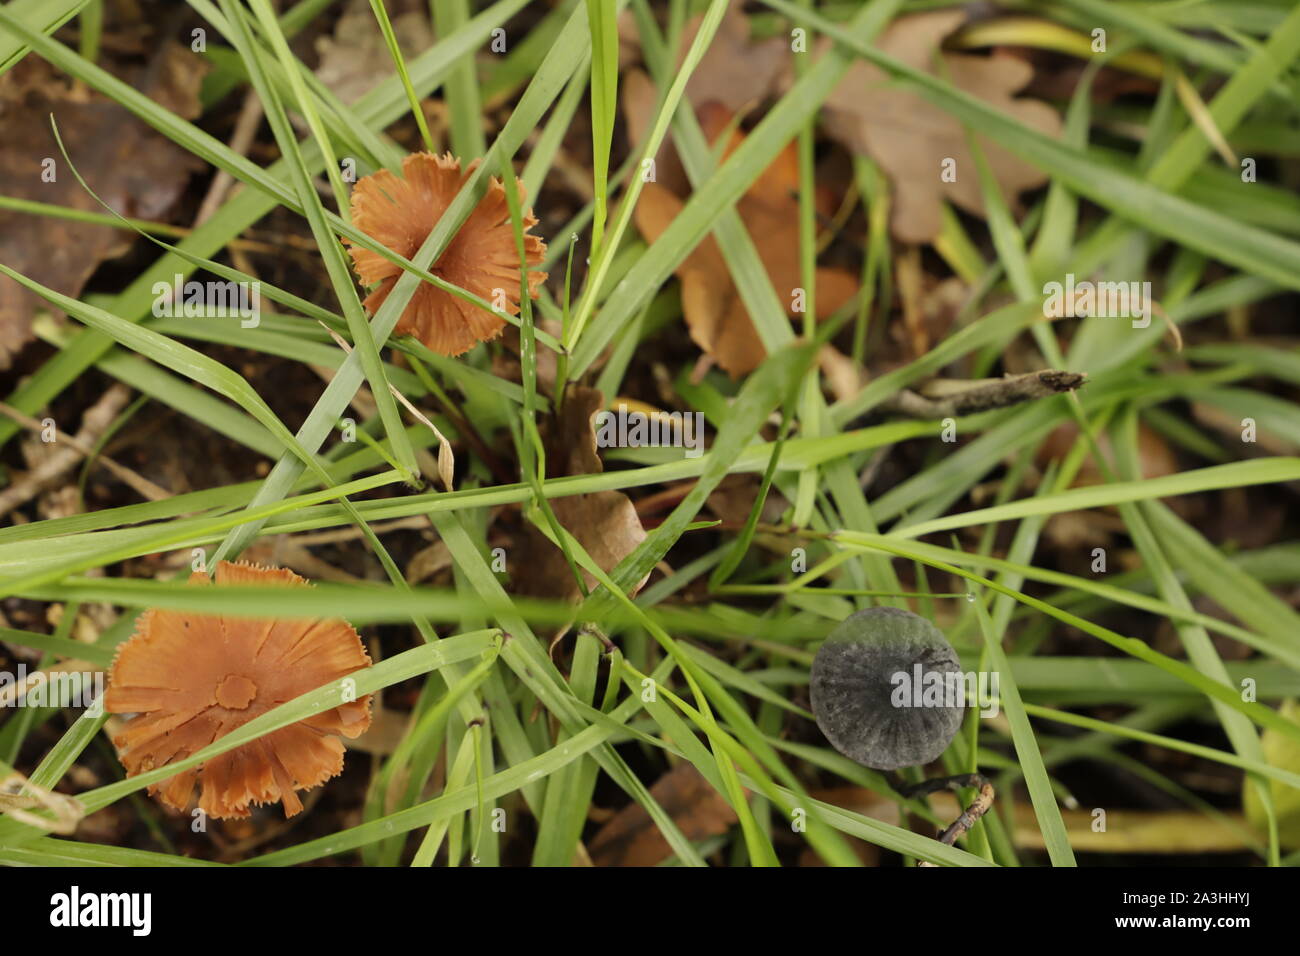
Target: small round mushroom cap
(863,679)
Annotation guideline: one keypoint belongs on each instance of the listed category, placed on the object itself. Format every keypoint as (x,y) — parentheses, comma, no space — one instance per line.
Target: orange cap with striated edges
(189,679)
(401,211)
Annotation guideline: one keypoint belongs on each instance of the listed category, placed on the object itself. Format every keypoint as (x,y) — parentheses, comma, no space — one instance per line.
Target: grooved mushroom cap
(855,692)
(400,212)
(190,679)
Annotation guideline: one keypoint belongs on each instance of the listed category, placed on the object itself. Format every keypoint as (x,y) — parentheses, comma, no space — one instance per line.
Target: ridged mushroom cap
(853,689)
(400,212)
(189,679)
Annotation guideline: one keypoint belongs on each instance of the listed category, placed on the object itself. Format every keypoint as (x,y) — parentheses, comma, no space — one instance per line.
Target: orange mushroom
(401,211)
(190,679)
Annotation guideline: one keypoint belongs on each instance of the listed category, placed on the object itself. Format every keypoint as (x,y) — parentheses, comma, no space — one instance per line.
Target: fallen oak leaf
(569,438)
(714,311)
(911,138)
(639,99)
(735,71)
(607,526)
(844,377)
(175,80)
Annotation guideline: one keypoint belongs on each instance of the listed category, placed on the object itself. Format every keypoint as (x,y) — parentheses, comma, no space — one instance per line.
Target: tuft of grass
(725,631)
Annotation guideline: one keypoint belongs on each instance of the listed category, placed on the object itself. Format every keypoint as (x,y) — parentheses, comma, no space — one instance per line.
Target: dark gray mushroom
(874,685)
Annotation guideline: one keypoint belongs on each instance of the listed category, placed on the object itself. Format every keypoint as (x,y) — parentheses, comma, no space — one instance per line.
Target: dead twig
(250,116)
(979,806)
(949,399)
(72,448)
(18,795)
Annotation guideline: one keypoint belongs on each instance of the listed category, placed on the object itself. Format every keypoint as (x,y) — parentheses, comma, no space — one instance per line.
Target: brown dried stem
(949,399)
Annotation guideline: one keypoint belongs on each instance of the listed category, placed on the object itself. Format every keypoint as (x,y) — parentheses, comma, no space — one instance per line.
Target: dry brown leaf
(629,40)
(630,838)
(733,499)
(639,99)
(1155,458)
(178,79)
(1056,78)
(357,57)
(604,522)
(910,137)
(570,440)
(844,376)
(715,314)
(133,169)
(734,71)
(427,562)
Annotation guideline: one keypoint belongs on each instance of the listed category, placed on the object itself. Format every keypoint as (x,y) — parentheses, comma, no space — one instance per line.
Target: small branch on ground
(241,140)
(946,398)
(70,449)
(979,806)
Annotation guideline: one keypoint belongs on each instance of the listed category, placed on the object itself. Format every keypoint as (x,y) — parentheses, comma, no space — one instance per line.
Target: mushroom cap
(189,679)
(855,691)
(401,211)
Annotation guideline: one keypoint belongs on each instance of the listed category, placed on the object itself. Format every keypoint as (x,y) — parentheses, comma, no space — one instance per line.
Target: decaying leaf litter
(699,346)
